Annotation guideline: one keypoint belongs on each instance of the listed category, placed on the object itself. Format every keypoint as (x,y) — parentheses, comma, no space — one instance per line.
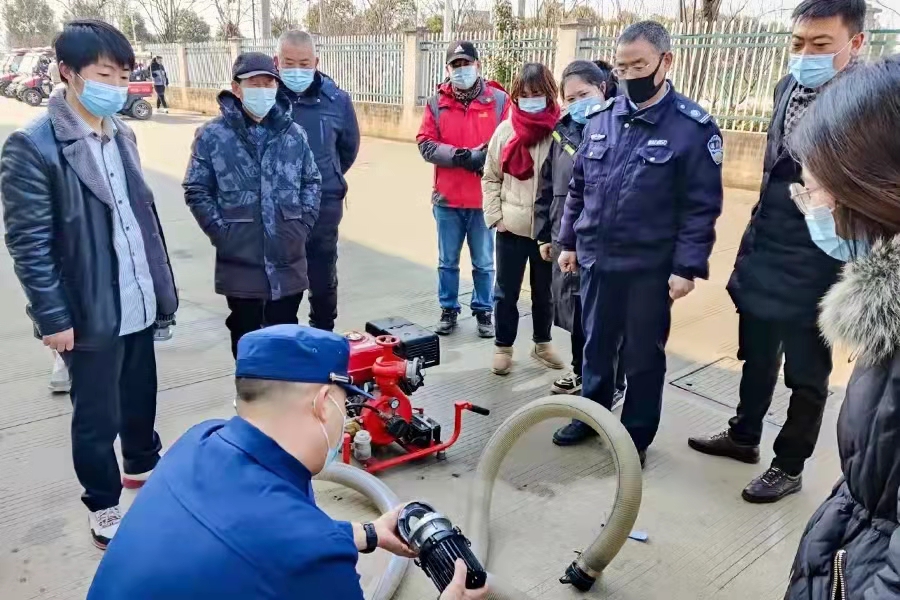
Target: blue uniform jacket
(646,188)
(326,113)
(228,514)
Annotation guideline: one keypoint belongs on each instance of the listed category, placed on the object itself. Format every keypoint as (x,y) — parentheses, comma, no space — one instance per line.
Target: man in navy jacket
(326,113)
(229,513)
(639,221)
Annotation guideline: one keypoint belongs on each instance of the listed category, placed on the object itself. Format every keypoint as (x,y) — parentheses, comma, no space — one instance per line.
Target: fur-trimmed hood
(862,310)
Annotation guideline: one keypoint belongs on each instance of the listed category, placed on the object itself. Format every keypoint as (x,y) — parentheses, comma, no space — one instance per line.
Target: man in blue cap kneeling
(229,511)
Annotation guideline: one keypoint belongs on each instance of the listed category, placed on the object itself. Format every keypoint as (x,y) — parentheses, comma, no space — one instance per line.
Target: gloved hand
(470,160)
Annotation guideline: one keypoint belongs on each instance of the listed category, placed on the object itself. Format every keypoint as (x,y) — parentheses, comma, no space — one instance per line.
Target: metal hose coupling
(584,571)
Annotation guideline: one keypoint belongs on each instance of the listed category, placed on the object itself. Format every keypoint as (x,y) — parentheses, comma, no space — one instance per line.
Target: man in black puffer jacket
(254,188)
(780,275)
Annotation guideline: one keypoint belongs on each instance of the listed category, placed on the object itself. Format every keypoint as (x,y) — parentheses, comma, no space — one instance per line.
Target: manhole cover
(720,382)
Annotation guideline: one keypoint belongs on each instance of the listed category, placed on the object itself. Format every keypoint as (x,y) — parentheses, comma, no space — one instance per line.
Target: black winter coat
(852,539)
(556,173)
(58,217)
(256,194)
(780,274)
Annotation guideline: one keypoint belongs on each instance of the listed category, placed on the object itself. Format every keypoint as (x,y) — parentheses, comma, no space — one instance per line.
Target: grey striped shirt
(136,295)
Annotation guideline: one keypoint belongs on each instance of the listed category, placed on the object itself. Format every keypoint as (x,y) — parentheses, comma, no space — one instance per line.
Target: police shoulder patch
(694,111)
(716,149)
(599,107)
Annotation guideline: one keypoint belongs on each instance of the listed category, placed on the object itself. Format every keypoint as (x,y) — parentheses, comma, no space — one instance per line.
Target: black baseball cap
(461,49)
(251,64)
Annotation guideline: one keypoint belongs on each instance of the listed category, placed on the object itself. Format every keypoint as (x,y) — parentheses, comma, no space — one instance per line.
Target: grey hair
(651,31)
(296,37)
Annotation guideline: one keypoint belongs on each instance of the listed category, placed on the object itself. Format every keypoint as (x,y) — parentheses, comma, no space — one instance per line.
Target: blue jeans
(454,226)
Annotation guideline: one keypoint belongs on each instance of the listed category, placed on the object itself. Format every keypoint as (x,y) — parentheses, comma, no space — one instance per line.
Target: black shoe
(448,322)
(485,325)
(573,433)
(570,384)
(721,444)
(772,486)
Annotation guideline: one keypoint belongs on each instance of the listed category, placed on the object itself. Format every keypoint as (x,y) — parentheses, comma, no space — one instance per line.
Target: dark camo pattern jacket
(255,191)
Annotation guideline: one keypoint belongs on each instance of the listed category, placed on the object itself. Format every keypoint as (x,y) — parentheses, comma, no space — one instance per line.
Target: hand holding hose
(457,588)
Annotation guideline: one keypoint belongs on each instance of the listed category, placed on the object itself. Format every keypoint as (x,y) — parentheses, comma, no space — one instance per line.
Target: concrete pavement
(705,542)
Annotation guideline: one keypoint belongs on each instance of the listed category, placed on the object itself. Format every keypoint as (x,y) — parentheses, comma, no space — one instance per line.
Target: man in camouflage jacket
(254,188)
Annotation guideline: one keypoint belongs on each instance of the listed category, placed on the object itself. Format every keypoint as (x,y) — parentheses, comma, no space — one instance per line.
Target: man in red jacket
(458,123)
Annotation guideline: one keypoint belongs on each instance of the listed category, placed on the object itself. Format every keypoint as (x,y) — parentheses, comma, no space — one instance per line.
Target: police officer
(229,512)
(639,221)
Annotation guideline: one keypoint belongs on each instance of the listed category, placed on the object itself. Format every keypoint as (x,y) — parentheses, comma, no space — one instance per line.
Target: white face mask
(331,456)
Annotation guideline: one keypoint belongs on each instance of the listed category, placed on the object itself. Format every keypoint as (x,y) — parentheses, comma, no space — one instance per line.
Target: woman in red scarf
(509,188)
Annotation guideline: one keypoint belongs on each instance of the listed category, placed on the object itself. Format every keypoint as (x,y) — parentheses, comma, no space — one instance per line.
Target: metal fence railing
(729,68)
(171,60)
(524,45)
(209,64)
(369,67)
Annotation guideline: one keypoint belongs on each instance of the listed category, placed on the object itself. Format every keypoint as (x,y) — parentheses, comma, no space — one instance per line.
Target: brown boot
(547,356)
(502,361)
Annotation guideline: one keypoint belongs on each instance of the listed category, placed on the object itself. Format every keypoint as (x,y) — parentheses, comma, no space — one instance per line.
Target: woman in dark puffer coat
(584,87)
(849,145)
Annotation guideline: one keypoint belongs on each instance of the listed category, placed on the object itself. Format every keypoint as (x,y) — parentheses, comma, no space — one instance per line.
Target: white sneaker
(104,525)
(60,380)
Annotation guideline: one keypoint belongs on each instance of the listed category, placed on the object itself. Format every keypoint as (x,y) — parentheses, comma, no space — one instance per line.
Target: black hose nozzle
(576,576)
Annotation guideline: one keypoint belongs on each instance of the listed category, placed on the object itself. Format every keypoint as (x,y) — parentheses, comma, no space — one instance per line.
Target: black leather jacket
(59,233)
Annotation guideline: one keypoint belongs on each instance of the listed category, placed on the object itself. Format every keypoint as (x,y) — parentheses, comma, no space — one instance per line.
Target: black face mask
(641,89)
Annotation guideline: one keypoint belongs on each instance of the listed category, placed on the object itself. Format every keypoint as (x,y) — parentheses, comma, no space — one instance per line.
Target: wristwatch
(371,538)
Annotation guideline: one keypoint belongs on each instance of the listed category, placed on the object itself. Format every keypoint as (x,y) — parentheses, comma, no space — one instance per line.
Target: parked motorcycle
(33,91)
(136,106)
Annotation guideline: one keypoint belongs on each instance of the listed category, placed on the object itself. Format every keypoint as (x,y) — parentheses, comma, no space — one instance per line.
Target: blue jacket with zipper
(326,113)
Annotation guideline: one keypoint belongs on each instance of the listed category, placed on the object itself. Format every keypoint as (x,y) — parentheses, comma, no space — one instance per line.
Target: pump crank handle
(479,410)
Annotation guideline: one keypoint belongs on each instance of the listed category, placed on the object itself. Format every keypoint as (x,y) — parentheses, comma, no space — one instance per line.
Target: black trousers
(160,96)
(513,253)
(321,261)
(113,393)
(807,366)
(578,351)
(251,314)
(633,306)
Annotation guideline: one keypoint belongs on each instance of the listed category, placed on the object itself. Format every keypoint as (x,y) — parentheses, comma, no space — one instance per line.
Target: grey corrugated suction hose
(583,572)
(384,499)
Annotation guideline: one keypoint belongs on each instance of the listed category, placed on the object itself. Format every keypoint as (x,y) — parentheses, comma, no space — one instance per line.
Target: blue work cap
(296,353)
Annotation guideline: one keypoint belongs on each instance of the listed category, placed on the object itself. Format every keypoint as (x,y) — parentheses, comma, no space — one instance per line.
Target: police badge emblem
(716,150)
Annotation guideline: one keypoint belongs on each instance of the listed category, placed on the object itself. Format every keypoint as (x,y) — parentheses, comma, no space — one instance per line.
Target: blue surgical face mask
(332,450)
(823,232)
(259,101)
(578,110)
(463,78)
(813,70)
(533,105)
(298,80)
(101,99)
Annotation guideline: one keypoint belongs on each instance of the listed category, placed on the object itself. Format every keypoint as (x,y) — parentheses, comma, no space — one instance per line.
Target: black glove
(470,160)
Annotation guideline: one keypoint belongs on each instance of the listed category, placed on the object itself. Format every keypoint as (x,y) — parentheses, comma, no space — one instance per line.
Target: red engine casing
(364,350)
(372,360)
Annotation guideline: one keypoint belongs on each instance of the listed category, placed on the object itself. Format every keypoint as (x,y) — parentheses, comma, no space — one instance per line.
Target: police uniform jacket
(646,188)
(228,514)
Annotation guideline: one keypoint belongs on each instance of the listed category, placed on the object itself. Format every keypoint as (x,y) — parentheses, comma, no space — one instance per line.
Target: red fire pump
(388,361)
